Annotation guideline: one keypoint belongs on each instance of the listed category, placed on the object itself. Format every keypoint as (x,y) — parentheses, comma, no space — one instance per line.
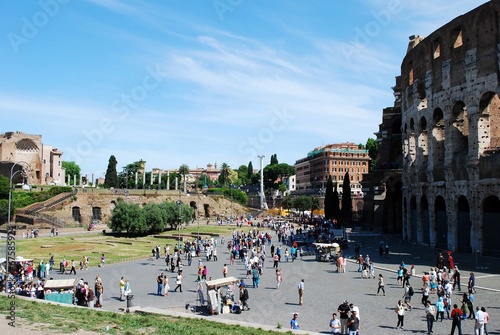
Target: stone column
(159,179)
(136,178)
(176,183)
(168,181)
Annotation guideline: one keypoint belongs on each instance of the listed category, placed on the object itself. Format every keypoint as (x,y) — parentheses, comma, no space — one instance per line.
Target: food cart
(326,252)
(220,294)
(60,290)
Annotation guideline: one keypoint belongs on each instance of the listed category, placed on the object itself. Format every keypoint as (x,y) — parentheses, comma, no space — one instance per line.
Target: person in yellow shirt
(122,288)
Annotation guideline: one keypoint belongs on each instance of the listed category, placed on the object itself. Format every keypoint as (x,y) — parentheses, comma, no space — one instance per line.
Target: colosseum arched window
(489,122)
(437,146)
(26,145)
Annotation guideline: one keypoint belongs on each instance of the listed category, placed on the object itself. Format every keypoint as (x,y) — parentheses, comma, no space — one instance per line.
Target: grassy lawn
(116,249)
(60,319)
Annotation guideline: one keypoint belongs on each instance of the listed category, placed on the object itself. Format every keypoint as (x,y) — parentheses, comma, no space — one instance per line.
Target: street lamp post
(179,204)
(10,232)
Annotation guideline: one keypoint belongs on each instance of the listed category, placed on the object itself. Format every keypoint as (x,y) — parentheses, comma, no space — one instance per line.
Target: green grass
(116,249)
(61,319)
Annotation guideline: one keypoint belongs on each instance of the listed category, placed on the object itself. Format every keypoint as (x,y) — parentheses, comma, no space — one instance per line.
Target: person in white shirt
(480,319)
(335,324)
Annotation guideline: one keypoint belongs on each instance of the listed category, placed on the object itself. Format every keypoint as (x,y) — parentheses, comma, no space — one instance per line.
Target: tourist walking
(122,286)
(301,292)
(178,281)
(279,278)
(380,284)
(159,284)
(430,316)
(400,311)
(456,316)
(480,319)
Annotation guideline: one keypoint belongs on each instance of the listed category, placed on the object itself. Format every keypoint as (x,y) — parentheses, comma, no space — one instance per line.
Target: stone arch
(441,223)
(206,209)
(393,205)
(464,225)
(422,149)
(459,140)
(414,219)
(193,205)
(491,226)
(489,122)
(437,148)
(75,213)
(96,213)
(424,214)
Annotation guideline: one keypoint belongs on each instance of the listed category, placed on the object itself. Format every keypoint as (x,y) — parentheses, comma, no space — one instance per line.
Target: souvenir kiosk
(60,290)
(326,252)
(220,294)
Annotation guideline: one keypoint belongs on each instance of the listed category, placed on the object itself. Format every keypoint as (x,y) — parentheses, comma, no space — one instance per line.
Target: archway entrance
(491,226)
(463,225)
(441,223)
(426,230)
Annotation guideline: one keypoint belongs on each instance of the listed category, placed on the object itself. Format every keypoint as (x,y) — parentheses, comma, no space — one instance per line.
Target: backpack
(411,292)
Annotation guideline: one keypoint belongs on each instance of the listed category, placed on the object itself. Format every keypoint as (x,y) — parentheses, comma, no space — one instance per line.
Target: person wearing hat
(294,323)
(343,315)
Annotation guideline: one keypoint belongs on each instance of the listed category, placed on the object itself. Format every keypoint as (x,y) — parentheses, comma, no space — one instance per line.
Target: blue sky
(198,82)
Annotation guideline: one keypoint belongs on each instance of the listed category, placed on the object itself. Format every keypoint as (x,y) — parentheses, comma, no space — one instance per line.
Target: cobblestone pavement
(324,288)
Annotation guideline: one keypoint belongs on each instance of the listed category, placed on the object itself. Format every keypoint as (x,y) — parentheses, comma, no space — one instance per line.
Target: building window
(437,48)
(44,161)
(457,37)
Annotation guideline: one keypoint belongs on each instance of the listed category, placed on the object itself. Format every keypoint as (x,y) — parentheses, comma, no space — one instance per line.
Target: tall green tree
(346,199)
(128,218)
(184,170)
(335,202)
(314,204)
(274,159)
(71,169)
(372,146)
(249,171)
(224,174)
(111,177)
(154,217)
(274,174)
(329,199)
(302,203)
(242,175)
(4,187)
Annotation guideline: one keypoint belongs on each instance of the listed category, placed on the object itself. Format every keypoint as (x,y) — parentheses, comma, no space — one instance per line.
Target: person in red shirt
(456,316)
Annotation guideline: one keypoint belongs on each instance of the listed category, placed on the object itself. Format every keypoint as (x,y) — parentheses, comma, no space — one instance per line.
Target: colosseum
(451,134)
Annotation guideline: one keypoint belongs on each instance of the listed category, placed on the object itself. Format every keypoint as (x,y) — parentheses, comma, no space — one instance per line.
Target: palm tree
(184,170)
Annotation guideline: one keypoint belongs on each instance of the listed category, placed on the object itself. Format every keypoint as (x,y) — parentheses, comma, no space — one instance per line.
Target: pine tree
(111,177)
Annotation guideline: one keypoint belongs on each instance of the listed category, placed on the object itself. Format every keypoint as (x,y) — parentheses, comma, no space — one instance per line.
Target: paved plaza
(324,288)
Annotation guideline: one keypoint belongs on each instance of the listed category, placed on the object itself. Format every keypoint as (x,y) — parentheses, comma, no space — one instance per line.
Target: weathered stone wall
(451,130)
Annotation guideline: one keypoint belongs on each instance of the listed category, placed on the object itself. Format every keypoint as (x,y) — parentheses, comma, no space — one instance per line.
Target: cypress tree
(111,177)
